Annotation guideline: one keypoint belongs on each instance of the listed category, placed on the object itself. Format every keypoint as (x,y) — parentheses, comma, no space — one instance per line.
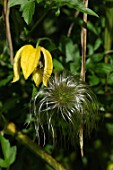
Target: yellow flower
(35,61)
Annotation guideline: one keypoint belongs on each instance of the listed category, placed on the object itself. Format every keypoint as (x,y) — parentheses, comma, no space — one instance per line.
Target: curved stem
(11,129)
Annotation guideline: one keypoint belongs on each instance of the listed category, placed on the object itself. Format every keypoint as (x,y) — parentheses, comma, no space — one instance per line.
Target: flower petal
(29,60)
(38,76)
(48,65)
(16,65)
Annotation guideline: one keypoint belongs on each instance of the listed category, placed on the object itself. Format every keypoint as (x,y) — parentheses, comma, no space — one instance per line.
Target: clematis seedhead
(35,61)
(60,108)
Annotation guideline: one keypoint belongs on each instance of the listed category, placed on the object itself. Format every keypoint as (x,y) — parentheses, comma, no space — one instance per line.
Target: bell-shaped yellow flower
(35,61)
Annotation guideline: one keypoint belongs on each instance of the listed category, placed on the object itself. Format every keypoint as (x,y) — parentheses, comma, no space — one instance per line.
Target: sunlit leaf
(27,7)
(110,166)
(77,4)
(28,11)
(3,163)
(57,65)
(70,49)
(17,2)
(9,153)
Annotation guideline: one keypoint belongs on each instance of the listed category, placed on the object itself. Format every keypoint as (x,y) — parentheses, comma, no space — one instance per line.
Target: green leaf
(27,8)
(74,68)
(77,4)
(3,82)
(98,43)
(9,152)
(104,68)
(90,49)
(109,127)
(87,11)
(3,163)
(70,49)
(97,57)
(5,147)
(12,155)
(16,2)
(92,27)
(93,80)
(57,65)
(100,68)
(28,11)
(38,1)
(110,79)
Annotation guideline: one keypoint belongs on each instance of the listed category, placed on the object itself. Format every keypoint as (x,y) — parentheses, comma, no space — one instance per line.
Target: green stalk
(25,140)
(108,39)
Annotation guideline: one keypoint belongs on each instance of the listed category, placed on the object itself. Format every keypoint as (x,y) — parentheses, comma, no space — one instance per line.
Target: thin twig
(8,31)
(108,52)
(83,42)
(11,129)
(72,24)
(83,65)
(38,22)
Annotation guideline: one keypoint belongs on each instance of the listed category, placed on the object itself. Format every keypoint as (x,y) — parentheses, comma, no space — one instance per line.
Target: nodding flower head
(35,61)
(60,107)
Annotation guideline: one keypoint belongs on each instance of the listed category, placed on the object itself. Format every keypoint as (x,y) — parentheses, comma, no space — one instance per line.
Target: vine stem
(24,139)
(8,31)
(83,42)
(72,24)
(83,67)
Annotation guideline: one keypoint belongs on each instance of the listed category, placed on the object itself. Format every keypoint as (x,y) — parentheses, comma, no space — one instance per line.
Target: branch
(8,31)
(83,68)
(72,24)
(83,42)
(11,129)
(38,22)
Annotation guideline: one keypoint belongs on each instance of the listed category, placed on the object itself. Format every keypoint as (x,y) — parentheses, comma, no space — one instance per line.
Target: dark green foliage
(47,23)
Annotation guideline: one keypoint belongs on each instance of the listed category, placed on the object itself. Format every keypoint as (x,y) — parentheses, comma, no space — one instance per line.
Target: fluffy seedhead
(62,106)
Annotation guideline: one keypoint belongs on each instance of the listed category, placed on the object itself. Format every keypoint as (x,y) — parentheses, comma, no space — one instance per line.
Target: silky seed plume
(60,107)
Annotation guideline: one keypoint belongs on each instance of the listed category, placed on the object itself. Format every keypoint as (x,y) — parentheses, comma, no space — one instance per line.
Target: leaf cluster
(47,23)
